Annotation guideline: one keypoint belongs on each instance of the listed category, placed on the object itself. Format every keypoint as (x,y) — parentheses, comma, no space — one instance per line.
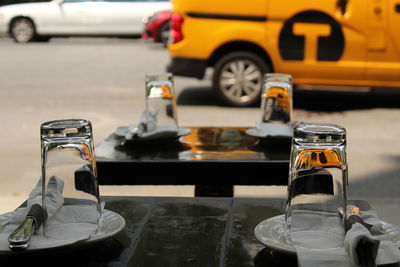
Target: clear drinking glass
(318,169)
(276,98)
(161,110)
(68,153)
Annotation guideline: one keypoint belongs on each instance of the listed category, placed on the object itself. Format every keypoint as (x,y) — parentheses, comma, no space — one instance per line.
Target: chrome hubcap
(23,30)
(241,80)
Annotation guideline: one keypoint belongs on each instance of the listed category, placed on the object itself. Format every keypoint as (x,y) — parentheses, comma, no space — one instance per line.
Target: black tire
(23,30)
(163,33)
(243,87)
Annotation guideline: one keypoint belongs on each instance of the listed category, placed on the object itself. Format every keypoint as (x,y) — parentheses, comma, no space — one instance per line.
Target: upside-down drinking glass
(318,169)
(161,107)
(68,154)
(276,98)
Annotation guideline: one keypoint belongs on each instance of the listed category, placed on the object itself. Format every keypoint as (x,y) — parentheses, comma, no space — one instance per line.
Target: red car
(157,27)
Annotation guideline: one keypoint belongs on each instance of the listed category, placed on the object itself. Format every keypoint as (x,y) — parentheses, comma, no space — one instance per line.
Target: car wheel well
(240,46)
(161,28)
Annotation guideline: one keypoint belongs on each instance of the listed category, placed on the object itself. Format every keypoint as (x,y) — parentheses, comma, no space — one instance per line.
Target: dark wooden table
(214,159)
(174,232)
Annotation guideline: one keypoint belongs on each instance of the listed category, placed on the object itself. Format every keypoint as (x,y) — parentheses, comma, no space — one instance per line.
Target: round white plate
(272,233)
(112,223)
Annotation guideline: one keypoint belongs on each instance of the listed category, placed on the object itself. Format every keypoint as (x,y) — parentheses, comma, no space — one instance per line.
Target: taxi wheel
(23,30)
(238,78)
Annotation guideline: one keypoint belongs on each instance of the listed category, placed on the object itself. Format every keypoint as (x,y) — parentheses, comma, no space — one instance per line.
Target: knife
(20,238)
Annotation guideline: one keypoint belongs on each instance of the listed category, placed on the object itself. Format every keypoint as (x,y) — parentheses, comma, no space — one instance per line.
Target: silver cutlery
(20,238)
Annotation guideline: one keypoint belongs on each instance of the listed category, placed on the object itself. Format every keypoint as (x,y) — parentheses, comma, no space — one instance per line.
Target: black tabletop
(209,156)
(174,232)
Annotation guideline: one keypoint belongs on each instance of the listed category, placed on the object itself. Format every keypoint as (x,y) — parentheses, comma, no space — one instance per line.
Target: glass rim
(279,76)
(152,77)
(66,128)
(319,133)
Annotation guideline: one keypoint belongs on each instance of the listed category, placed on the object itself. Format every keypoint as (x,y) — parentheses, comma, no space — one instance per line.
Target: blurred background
(102,79)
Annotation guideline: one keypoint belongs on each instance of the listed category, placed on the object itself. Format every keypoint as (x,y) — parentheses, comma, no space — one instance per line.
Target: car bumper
(188,67)
(148,32)
(146,35)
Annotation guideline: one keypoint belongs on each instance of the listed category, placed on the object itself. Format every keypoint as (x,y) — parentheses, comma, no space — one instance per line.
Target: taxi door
(394,22)
(383,46)
(319,42)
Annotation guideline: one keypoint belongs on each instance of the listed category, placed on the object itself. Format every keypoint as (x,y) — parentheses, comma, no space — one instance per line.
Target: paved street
(103,80)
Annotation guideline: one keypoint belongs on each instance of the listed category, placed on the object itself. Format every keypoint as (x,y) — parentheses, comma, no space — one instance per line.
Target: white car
(42,20)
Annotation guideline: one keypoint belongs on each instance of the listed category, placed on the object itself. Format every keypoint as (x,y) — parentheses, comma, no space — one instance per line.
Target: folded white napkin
(147,129)
(388,252)
(150,129)
(265,129)
(320,240)
(66,224)
(359,235)
(53,202)
(53,199)
(149,119)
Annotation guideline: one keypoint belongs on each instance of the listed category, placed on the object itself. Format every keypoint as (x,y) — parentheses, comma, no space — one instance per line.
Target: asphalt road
(103,80)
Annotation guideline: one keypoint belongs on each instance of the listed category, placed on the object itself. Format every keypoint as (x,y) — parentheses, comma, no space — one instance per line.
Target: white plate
(272,233)
(112,223)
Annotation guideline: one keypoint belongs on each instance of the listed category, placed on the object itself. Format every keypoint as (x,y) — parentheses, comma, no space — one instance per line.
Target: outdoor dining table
(214,228)
(173,231)
(214,159)
(183,231)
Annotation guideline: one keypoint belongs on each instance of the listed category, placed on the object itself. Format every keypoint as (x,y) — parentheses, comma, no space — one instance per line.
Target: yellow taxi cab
(318,158)
(277,104)
(327,44)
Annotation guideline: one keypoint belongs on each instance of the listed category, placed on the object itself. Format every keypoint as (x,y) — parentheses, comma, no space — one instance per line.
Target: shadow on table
(97,254)
(197,96)
(342,101)
(306,100)
(267,257)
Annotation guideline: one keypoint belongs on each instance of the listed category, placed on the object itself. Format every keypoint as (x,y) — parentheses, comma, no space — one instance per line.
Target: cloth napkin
(320,240)
(53,202)
(147,129)
(358,235)
(265,129)
(388,252)
(66,224)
